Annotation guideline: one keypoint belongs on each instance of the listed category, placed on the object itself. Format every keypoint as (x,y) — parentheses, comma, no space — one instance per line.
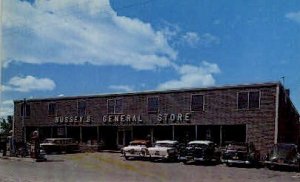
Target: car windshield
(283,151)
(164,145)
(237,147)
(197,145)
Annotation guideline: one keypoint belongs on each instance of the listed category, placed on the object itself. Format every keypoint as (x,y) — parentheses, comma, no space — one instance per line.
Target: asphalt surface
(112,167)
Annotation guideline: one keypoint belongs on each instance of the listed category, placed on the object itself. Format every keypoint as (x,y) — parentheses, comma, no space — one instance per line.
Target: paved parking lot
(112,167)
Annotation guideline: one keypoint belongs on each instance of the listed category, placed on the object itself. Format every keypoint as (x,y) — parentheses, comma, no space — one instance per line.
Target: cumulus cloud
(28,83)
(295,16)
(6,108)
(125,88)
(78,32)
(193,76)
(204,40)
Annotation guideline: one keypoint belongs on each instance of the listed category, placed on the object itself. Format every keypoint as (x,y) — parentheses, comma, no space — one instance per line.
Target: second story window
(197,103)
(25,110)
(153,103)
(81,107)
(52,109)
(114,106)
(248,100)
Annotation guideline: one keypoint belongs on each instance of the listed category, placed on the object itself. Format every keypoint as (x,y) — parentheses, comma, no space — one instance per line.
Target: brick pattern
(220,108)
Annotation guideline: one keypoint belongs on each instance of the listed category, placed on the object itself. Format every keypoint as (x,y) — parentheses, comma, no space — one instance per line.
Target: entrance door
(109,137)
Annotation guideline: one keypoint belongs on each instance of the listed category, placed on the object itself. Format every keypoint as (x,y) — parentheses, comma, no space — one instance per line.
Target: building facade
(259,113)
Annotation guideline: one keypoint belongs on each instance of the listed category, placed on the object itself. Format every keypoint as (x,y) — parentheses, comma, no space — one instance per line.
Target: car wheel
(229,164)
(126,157)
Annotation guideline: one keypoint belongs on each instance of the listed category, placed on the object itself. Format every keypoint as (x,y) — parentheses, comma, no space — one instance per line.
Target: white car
(165,150)
(136,149)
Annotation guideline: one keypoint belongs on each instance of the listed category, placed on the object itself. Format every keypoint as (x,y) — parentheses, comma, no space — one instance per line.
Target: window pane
(253,100)
(51,108)
(26,110)
(81,108)
(111,106)
(197,103)
(153,104)
(118,106)
(243,100)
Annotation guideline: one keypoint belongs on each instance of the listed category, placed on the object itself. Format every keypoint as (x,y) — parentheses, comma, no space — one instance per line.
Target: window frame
(114,100)
(55,110)
(78,109)
(27,110)
(191,102)
(151,97)
(248,100)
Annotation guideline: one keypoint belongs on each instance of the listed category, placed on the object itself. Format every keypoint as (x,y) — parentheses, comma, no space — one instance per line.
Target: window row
(245,100)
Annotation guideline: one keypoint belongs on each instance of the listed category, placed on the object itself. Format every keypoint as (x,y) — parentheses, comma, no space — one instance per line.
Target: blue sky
(65,48)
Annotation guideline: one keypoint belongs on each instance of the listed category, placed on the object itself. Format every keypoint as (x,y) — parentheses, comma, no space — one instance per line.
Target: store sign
(72,119)
(122,119)
(137,119)
(174,118)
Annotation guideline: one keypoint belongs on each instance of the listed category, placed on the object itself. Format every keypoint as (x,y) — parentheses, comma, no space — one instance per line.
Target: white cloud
(28,83)
(204,40)
(6,108)
(78,32)
(125,88)
(193,76)
(295,16)
(191,38)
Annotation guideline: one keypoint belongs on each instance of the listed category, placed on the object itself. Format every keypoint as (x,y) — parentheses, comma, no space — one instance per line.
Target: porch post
(80,134)
(98,134)
(196,132)
(221,134)
(173,132)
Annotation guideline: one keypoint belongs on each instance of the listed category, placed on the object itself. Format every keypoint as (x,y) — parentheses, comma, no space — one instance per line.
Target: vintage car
(283,155)
(136,149)
(164,150)
(59,145)
(240,154)
(201,151)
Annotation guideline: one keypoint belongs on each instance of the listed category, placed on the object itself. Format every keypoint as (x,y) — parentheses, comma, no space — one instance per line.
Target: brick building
(259,113)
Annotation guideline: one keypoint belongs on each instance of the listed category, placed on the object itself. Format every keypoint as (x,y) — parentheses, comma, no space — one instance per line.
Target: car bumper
(281,164)
(230,161)
(197,159)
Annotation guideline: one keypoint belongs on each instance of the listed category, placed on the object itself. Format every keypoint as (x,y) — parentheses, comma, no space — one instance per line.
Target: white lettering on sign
(72,119)
(165,118)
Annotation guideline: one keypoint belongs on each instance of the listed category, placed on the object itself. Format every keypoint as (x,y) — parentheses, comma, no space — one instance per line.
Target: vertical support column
(196,132)
(51,132)
(131,132)
(98,138)
(221,134)
(173,132)
(66,131)
(117,139)
(124,133)
(151,133)
(80,134)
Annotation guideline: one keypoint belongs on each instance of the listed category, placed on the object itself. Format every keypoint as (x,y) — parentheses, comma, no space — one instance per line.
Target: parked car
(283,155)
(201,151)
(241,154)
(136,149)
(59,145)
(164,150)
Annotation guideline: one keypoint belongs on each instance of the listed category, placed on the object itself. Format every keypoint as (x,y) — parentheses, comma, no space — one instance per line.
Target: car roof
(144,142)
(167,141)
(206,142)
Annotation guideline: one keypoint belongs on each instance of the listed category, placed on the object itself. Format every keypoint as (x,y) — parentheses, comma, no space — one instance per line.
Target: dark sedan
(283,155)
(240,154)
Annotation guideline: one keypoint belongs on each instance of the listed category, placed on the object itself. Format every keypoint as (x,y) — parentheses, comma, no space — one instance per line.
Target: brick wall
(220,108)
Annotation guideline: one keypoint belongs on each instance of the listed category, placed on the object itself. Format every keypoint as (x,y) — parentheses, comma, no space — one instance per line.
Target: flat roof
(224,87)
